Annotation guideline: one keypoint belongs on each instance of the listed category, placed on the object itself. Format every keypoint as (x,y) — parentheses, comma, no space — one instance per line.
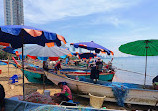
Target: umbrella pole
(43,82)
(8,65)
(88,63)
(145,67)
(23,68)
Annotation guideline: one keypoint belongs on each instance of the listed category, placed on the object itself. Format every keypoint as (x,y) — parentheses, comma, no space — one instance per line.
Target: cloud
(45,11)
(142,29)
(110,19)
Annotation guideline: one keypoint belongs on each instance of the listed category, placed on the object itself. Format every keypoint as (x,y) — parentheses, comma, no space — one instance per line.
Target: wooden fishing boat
(34,75)
(86,73)
(74,67)
(16,105)
(136,95)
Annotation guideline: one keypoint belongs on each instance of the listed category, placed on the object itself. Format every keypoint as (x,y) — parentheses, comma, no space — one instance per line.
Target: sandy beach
(16,89)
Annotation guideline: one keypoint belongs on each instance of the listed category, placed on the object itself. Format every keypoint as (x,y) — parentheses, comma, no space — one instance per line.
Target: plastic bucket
(47,92)
(96,101)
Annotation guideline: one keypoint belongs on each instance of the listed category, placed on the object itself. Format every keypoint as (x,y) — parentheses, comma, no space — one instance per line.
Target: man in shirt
(99,65)
(45,65)
(58,65)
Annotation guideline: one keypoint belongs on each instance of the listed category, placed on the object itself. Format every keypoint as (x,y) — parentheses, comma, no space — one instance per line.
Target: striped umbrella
(17,35)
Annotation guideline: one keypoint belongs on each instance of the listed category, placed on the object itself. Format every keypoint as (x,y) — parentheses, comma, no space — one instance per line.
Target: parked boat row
(83,85)
(36,75)
(136,94)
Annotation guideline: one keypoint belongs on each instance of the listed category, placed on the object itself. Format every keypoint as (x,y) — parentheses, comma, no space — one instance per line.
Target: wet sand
(16,89)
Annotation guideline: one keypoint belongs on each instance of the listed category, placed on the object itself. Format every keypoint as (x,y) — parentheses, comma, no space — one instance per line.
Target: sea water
(132,69)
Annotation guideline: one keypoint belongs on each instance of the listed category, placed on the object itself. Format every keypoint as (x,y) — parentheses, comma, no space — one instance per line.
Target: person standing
(94,73)
(45,65)
(99,65)
(58,65)
(2,96)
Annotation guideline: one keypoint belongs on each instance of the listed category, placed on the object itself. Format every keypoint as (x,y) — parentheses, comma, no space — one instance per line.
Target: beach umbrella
(44,52)
(92,46)
(10,50)
(86,55)
(17,35)
(141,48)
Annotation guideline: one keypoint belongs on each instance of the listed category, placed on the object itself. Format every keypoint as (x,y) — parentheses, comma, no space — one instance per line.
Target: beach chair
(14,79)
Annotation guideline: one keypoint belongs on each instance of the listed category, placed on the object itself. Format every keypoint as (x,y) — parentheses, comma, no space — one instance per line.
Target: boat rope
(132,72)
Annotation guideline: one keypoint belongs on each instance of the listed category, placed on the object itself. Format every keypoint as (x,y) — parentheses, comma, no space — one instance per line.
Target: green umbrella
(141,48)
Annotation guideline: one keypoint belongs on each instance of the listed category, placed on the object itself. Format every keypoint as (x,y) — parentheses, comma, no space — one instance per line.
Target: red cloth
(53,58)
(32,57)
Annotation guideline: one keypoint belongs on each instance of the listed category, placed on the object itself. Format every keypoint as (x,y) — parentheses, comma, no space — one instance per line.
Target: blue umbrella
(92,47)
(85,55)
(17,35)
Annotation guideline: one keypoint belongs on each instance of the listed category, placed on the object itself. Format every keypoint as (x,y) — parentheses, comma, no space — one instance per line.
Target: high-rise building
(13,12)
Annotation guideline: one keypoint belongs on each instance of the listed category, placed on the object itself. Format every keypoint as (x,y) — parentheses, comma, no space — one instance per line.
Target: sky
(109,23)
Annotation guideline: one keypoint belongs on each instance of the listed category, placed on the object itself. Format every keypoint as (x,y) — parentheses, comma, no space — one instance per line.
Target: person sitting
(64,95)
(99,65)
(2,96)
(155,82)
(58,65)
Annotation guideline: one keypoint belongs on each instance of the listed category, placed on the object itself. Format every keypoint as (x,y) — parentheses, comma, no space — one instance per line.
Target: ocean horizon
(132,69)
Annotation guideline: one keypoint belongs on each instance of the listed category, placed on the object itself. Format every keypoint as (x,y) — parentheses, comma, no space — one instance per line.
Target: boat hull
(36,77)
(86,74)
(16,105)
(135,96)
(103,77)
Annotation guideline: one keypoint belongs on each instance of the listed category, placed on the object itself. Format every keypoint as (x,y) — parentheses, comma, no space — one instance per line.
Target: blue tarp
(3,63)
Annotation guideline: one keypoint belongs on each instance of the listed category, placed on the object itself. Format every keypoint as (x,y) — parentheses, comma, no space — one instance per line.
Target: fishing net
(36,97)
(120,93)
